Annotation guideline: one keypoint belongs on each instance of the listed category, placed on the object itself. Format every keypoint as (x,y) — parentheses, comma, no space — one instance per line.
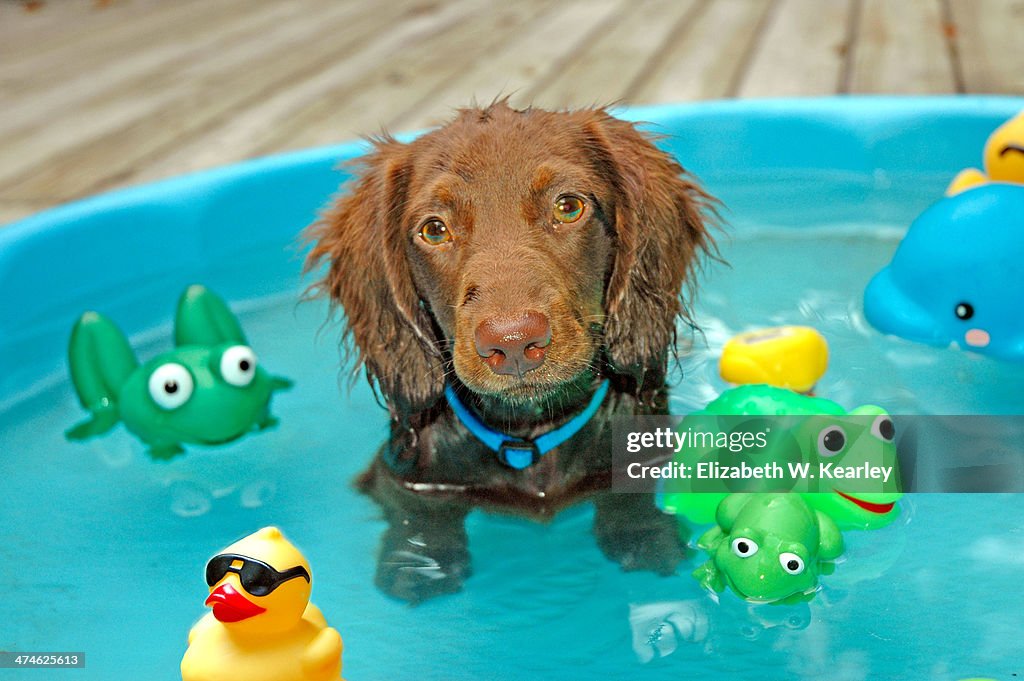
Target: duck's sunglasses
(256,577)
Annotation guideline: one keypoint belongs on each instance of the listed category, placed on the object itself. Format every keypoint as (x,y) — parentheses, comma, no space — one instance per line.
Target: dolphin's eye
(238,365)
(743,547)
(883,428)
(831,441)
(170,386)
(791,563)
(964,311)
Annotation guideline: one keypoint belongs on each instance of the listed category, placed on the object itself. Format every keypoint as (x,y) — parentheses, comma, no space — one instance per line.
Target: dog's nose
(512,345)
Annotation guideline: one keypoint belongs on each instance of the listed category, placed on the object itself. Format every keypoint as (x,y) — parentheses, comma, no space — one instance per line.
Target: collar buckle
(518,454)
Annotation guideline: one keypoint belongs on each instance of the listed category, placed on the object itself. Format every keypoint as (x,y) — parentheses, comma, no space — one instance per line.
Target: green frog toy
(768,548)
(208,390)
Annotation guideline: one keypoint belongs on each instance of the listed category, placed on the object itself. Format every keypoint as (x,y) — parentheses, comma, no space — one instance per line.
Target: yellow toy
(1004,159)
(792,357)
(263,626)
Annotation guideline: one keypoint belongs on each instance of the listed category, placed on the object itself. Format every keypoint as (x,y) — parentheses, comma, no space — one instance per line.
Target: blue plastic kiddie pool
(103,550)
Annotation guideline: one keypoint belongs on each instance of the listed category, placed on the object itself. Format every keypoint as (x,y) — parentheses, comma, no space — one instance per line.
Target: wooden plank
(55,132)
(801,50)
(530,56)
(50,56)
(148,88)
(12,211)
(990,41)
(413,80)
(21,28)
(603,69)
(17,16)
(706,54)
(351,97)
(901,48)
(204,92)
(118,79)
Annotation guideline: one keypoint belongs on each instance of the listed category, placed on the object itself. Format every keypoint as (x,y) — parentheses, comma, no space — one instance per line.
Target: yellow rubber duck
(262,626)
(1004,159)
(792,357)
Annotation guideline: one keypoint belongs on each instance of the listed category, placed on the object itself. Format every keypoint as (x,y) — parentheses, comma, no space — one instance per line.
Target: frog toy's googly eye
(238,365)
(743,547)
(883,429)
(831,441)
(791,563)
(170,386)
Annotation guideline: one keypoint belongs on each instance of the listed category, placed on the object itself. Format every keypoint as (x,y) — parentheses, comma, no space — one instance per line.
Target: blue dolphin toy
(958,275)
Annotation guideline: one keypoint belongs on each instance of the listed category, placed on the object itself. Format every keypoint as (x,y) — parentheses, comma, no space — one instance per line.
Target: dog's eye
(435,232)
(568,209)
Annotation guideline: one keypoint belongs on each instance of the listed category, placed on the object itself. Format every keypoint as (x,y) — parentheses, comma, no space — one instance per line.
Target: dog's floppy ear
(362,239)
(660,220)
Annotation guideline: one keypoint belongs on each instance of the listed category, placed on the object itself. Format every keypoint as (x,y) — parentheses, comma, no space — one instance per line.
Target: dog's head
(523,250)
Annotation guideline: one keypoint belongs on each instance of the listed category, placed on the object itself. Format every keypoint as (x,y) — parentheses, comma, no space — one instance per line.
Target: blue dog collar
(517,452)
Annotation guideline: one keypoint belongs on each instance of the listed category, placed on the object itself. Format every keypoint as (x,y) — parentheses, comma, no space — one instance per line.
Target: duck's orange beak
(231,606)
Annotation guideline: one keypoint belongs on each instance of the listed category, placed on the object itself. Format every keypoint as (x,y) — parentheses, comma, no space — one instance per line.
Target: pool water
(103,550)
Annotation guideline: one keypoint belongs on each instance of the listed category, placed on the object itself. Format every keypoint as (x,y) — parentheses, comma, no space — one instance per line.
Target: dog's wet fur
(521,256)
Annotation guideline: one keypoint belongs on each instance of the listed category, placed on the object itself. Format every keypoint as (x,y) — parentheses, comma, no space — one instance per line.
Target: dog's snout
(513,344)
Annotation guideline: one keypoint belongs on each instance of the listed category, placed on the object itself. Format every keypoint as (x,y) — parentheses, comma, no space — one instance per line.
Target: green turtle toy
(208,390)
(805,431)
(768,548)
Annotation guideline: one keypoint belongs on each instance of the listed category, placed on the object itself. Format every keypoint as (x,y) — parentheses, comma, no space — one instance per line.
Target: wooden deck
(97,94)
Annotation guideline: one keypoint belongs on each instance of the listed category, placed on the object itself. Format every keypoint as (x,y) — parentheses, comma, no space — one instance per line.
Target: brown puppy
(521,258)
